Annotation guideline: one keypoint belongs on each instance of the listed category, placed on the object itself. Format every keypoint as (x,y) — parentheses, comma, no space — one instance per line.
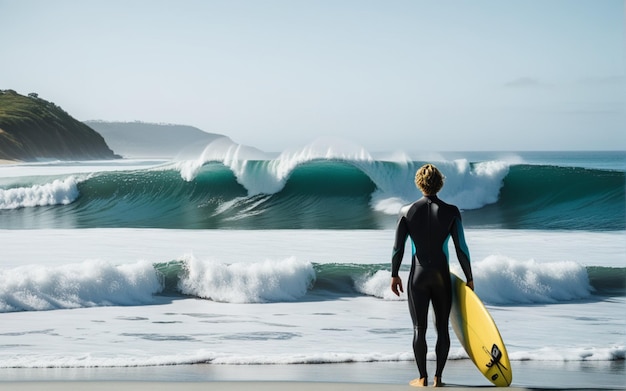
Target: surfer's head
(429,179)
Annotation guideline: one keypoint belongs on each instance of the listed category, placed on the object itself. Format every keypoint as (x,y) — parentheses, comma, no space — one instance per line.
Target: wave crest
(57,192)
(260,174)
(470,186)
(267,281)
(501,280)
(88,284)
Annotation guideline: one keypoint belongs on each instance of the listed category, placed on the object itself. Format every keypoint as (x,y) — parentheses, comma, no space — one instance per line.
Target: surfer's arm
(398,246)
(396,257)
(462,252)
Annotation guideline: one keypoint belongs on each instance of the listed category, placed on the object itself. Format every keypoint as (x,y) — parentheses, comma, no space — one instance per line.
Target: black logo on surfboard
(496,355)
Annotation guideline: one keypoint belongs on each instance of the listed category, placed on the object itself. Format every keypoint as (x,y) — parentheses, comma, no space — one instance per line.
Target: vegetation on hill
(32,128)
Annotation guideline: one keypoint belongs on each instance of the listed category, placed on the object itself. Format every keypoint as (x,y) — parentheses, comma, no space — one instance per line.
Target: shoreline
(226,386)
(459,374)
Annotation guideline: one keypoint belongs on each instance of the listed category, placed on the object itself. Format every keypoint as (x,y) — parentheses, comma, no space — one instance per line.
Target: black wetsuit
(430,223)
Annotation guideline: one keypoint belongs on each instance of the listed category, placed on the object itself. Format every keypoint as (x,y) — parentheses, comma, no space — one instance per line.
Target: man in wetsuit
(430,223)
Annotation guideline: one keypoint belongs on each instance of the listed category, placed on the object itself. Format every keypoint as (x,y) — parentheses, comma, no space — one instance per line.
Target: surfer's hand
(470,284)
(396,285)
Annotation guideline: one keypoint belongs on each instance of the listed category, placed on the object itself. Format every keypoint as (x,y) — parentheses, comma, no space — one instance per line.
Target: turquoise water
(568,191)
(286,261)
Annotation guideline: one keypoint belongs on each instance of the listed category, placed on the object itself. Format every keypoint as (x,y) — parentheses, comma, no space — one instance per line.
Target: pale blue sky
(388,75)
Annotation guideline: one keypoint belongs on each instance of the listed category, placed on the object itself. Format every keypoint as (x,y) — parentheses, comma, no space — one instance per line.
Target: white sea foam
(316,328)
(613,353)
(499,281)
(466,186)
(202,356)
(270,176)
(221,150)
(268,281)
(88,284)
(378,285)
(57,192)
(504,281)
(100,283)
(474,188)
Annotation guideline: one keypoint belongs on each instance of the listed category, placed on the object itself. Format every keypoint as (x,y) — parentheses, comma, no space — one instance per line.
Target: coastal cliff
(32,128)
(149,140)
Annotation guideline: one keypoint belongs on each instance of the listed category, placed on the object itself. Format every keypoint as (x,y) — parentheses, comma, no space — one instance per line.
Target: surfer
(430,223)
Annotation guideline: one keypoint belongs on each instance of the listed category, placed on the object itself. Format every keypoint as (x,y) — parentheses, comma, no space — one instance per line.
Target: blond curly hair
(429,179)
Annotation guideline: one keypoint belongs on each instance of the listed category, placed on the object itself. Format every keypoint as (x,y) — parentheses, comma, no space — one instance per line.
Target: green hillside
(32,128)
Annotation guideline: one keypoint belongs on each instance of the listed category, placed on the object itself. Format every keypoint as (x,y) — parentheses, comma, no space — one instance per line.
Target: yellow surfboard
(478,334)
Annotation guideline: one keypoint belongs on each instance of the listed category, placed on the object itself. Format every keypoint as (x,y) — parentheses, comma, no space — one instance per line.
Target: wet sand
(384,376)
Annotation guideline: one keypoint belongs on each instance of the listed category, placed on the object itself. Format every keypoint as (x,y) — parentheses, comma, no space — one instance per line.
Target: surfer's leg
(418,307)
(420,349)
(442,304)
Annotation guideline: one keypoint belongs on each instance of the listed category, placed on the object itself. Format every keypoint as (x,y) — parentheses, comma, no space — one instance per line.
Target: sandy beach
(459,374)
(226,386)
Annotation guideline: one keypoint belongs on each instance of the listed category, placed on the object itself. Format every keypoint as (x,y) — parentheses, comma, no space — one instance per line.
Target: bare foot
(438,383)
(421,382)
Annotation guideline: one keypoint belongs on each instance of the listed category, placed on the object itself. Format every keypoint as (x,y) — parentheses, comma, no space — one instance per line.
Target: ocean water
(239,258)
